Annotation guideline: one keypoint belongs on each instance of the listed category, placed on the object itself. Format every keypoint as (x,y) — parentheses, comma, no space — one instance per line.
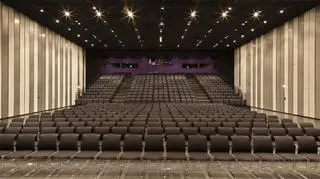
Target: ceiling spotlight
(235,30)
(189,23)
(85,29)
(209,31)
(242,36)
(78,35)
(41,10)
(136,29)
(160,30)
(57,21)
(193,14)
(234,41)
(160,39)
(182,37)
(69,29)
(185,30)
(79,23)
(129,13)
(178,46)
(112,31)
(86,41)
(161,24)
(228,45)
(67,13)
(265,21)
(94,8)
(224,14)
(229,8)
(105,22)
(243,24)
(92,45)
(218,22)
(256,14)
(98,14)
(226,37)
(139,37)
(162,8)
(252,30)
(281,11)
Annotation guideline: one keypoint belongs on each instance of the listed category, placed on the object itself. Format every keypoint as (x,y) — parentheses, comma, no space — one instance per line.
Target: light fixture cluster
(193,14)
(161,26)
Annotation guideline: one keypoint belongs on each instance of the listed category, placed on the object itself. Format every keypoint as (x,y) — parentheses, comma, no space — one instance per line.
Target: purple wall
(144,67)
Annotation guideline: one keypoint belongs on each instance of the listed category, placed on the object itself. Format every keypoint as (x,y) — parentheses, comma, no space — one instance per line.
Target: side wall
(39,69)
(281,69)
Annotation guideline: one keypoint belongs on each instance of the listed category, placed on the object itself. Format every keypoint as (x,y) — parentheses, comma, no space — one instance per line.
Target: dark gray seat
(89,146)
(242,131)
(186,131)
(68,147)
(138,124)
(153,147)
(260,131)
(285,148)
(137,130)
(119,130)
(48,130)
(47,124)
(101,130)
(241,148)
(132,147)
(12,130)
(83,130)
(93,123)
(30,130)
(197,147)
(219,148)
(110,146)
(24,146)
(154,130)
(226,131)
(172,130)
(279,131)
(263,148)
(176,147)
(207,131)
(6,143)
(307,147)
(294,132)
(314,132)
(66,130)
(47,145)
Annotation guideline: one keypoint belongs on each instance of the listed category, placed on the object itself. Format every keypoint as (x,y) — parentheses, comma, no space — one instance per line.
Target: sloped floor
(86,169)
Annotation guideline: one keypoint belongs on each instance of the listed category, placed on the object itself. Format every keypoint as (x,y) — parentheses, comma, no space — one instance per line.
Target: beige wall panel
(4,60)
(254,73)
(311,59)
(11,60)
(251,75)
(248,74)
(0,57)
(27,66)
(317,64)
(301,65)
(274,69)
(47,64)
(290,68)
(306,63)
(262,39)
(35,67)
(17,57)
(286,59)
(295,66)
(258,91)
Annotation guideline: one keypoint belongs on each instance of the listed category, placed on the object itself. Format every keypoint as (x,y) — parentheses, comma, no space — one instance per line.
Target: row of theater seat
(155,147)
(186,131)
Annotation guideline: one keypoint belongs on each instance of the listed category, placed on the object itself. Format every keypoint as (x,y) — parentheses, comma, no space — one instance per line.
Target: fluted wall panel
(39,69)
(283,68)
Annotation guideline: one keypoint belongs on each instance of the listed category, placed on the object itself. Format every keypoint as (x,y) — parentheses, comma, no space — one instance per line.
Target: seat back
(153,143)
(175,143)
(25,141)
(6,141)
(90,142)
(284,144)
(262,144)
(307,144)
(47,142)
(111,142)
(241,144)
(68,142)
(219,143)
(197,143)
(132,142)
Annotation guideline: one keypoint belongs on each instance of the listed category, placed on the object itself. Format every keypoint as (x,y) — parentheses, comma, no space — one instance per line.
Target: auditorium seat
(314,132)
(110,147)
(24,145)
(241,148)
(175,147)
(47,145)
(285,148)
(48,130)
(12,130)
(207,131)
(219,148)
(260,131)
(307,147)
(263,148)
(7,143)
(132,147)
(197,148)
(154,130)
(68,147)
(153,147)
(30,130)
(89,146)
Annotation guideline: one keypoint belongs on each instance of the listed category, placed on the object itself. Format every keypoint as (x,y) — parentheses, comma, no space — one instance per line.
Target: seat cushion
(246,157)
(176,156)
(130,155)
(63,154)
(293,157)
(269,157)
(203,156)
(19,154)
(41,154)
(220,156)
(86,155)
(108,155)
(153,156)
(312,157)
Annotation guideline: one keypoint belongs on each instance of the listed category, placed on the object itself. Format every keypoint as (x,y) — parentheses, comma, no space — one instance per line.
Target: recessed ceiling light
(94,7)
(67,13)
(161,23)
(129,13)
(160,39)
(92,45)
(234,41)
(193,14)
(69,29)
(85,29)
(86,41)
(162,8)
(182,37)
(243,24)
(98,13)
(209,31)
(235,30)
(112,31)
(242,36)
(41,10)
(178,46)
(218,22)
(160,30)
(115,35)
(226,37)
(57,21)
(265,21)
(78,35)
(229,8)
(281,11)
(79,23)
(189,23)
(228,45)
(136,30)
(252,30)
(224,14)
(205,36)
(256,14)
(104,21)
(221,41)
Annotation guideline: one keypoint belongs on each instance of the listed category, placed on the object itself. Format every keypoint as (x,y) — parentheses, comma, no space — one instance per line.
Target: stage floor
(156,170)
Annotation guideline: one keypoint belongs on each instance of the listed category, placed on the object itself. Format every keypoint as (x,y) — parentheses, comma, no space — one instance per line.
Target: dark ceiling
(115,31)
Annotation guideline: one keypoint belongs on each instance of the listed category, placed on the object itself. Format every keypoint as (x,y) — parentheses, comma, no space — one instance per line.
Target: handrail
(285,113)
(27,114)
